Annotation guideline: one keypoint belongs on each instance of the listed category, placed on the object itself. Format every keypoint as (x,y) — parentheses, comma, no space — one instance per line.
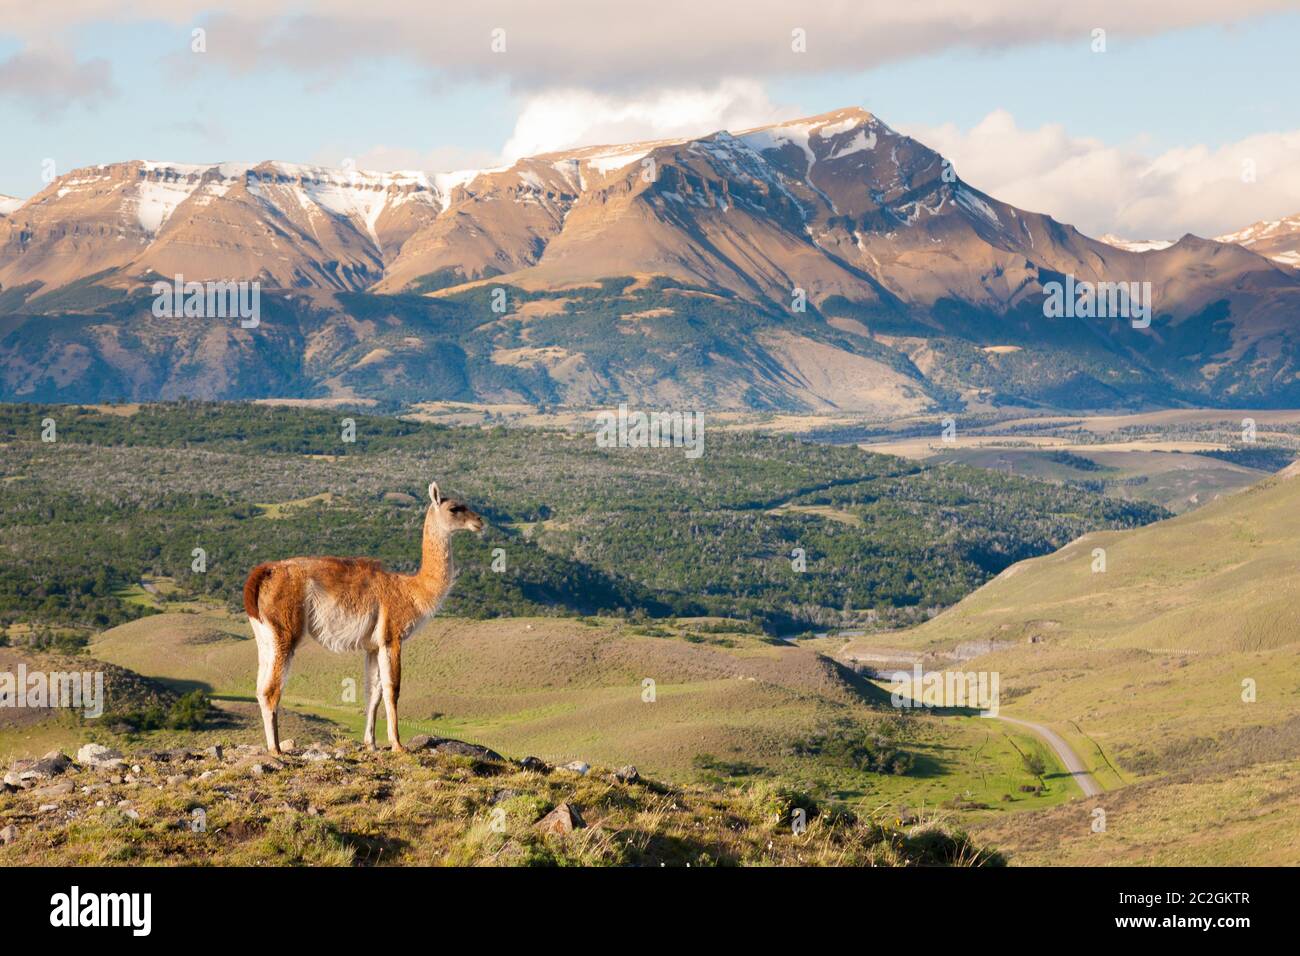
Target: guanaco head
(451,515)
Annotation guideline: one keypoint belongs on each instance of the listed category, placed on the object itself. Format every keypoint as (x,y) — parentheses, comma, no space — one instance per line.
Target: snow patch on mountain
(834,129)
(346,201)
(862,141)
(778,137)
(1262,230)
(972,203)
(156,201)
(609,162)
(447,183)
(1137,245)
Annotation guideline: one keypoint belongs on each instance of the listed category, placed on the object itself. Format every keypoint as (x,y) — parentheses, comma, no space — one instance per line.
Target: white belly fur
(334,627)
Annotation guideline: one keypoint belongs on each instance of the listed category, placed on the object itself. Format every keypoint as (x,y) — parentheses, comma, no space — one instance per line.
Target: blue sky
(1200,85)
(1206,85)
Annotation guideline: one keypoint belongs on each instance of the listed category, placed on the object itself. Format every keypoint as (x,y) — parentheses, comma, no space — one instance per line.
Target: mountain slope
(1173,672)
(1186,609)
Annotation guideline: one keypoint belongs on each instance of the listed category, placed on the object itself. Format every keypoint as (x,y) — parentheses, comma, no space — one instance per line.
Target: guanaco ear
(434,494)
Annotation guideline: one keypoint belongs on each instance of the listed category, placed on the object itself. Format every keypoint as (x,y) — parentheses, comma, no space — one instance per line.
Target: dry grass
(360,809)
(1247,817)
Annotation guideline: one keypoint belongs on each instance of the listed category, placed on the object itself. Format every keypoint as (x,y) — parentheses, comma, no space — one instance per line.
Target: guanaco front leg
(390,672)
(374,693)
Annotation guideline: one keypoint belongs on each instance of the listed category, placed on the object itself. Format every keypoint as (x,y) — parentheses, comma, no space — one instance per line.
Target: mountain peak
(823,126)
(848,117)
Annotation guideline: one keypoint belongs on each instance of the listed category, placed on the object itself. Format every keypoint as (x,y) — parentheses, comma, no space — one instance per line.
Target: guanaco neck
(435,574)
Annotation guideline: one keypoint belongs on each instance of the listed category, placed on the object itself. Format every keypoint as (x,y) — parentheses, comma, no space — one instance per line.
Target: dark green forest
(120,498)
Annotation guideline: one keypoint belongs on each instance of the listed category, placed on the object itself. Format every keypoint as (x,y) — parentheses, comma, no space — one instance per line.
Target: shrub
(1034,762)
(776,804)
(190,712)
(862,747)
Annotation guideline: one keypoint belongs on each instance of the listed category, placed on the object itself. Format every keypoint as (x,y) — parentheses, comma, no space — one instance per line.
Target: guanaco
(350,604)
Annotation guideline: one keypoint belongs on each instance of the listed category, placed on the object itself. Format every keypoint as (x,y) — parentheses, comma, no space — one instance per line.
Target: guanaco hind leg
(272,665)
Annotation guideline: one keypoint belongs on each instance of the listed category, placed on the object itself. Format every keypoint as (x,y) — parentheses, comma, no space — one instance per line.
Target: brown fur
(351,601)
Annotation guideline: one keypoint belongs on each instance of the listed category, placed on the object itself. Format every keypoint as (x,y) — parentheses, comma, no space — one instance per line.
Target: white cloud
(609,46)
(561,119)
(1102,188)
(564,119)
(48,80)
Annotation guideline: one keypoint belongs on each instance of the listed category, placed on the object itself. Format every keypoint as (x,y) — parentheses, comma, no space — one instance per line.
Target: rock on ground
(446,745)
(97,755)
(563,819)
(54,790)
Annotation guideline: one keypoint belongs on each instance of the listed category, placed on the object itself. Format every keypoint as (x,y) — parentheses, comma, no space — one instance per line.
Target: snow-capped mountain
(1278,239)
(828,261)
(812,203)
(836,205)
(287,224)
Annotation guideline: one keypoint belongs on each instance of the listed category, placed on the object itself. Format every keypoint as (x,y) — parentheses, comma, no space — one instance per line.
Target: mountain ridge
(833,262)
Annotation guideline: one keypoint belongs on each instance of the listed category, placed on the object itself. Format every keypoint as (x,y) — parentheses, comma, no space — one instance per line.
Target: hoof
(369,746)
(399,749)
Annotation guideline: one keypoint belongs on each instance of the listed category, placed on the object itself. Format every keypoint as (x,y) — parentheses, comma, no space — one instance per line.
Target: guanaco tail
(351,604)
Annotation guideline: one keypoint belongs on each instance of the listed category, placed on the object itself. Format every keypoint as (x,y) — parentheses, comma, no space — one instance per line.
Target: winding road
(1086,781)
